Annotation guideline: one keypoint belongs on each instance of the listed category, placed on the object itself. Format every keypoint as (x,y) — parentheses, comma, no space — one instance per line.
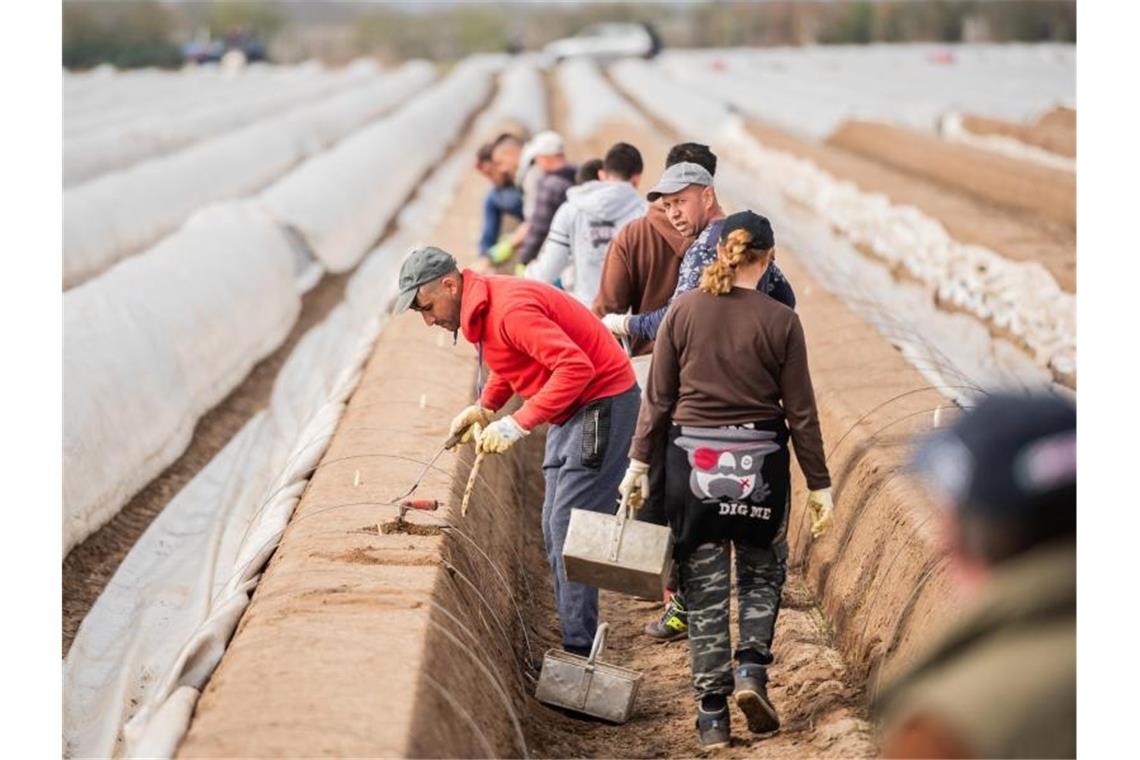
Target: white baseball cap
(679,176)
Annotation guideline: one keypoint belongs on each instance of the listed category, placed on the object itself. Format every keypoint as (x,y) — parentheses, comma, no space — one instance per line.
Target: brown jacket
(640,271)
(728,360)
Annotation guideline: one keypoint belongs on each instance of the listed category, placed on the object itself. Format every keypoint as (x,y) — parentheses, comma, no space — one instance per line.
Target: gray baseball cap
(422,266)
(679,176)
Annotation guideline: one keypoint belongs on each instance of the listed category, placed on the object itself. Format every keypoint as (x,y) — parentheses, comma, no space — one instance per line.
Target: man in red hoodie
(542,344)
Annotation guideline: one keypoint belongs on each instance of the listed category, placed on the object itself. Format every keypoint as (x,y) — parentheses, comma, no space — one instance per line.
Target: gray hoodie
(580,233)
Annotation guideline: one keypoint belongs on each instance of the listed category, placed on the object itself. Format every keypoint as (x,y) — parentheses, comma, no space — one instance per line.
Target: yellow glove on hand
(499,436)
(820,507)
(468,417)
(501,251)
(618,324)
(635,485)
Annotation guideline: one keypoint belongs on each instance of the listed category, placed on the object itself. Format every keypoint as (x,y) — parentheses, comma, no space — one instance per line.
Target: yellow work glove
(635,485)
(820,508)
(501,251)
(618,324)
(465,419)
(499,436)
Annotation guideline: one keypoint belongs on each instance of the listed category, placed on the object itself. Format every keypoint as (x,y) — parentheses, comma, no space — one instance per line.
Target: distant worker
(588,171)
(557,177)
(729,380)
(1002,680)
(542,344)
(584,225)
(502,199)
(506,154)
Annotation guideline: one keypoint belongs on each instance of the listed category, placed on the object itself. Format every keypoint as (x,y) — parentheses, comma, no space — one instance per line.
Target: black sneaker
(713,728)
(752,698)
(673,624)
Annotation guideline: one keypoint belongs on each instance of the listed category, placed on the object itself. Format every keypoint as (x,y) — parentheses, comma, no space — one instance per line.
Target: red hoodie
(542,344)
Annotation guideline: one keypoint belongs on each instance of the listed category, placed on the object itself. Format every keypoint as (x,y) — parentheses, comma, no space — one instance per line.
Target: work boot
(752,698)
(673,623)
(714,728)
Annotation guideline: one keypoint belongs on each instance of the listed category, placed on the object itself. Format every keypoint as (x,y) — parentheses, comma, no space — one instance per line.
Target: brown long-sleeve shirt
(728,360)
(640,271)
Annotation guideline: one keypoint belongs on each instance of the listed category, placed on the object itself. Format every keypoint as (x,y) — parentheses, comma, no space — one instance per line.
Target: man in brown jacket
(640,271)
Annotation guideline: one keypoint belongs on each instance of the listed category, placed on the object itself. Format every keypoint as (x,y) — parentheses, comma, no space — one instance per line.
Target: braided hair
(735,251)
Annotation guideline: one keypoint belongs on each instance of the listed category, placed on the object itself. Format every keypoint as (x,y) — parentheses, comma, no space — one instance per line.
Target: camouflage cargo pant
(705,582)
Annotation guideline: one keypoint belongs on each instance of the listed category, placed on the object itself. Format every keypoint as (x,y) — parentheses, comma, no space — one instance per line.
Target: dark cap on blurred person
(1011,459)
(758,226)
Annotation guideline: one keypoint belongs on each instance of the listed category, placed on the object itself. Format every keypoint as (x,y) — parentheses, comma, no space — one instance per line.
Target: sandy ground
(89,566)
(1047,193)
(1054,131)
(1018,235)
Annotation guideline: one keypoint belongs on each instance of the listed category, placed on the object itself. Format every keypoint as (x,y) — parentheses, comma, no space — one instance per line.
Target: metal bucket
(587,686)
(617,552)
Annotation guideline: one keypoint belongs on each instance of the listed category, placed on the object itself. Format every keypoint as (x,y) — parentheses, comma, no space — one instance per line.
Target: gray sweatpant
(573,484)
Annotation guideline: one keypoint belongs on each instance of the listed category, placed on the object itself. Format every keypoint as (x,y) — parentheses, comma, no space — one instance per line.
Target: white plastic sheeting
(1017,296)
(343,199)
(118,214)
(812,90)
(150,643)
(595,101)
(215,106)
(153,344)
(521,99)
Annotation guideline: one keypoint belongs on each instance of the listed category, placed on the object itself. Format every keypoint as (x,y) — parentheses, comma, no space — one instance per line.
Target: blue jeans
(574,481)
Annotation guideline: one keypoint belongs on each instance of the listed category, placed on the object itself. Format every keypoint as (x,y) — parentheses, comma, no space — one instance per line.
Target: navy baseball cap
(1011,457)
(758,226)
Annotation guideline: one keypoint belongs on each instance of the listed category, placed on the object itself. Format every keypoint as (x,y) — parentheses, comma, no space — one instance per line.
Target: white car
(607,41)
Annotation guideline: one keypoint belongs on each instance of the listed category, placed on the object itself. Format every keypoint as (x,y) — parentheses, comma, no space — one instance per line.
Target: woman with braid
(729,381)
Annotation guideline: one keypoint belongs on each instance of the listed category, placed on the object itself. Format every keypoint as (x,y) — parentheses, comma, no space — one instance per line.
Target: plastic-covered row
(119,214)
(595,101)
(342,200)
(152,345)
(116,136)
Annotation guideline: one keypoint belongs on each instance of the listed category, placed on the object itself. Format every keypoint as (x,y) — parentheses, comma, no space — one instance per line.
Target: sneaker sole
(718,745)
(762,719)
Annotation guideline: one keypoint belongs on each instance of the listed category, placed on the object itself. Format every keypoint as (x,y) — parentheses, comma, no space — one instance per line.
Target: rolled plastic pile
(1017,296)
(116,137)
(119,214)
(342,200)
(595,101)
(152,345)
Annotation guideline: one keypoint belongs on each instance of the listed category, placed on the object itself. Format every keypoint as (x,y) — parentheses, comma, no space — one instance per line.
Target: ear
(635,180)
(708,196)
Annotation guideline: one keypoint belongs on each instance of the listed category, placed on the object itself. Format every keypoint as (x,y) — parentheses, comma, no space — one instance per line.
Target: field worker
(1002,680)
(687,195)
(640,271)
(542,344)
(557,177)
(584,225)
(506,155)
(502,199)
(729,378)
(588,171)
